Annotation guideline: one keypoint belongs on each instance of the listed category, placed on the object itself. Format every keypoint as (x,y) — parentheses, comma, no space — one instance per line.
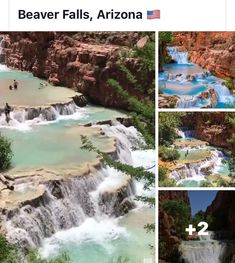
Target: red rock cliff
(212,127)
(214,51)
(82,61)
(223,209)
(166,221)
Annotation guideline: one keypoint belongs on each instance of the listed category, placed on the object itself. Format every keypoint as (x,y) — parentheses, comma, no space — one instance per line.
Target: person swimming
(42,85)
(15,84)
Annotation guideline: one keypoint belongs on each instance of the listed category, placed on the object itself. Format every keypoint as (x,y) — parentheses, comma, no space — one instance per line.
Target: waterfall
(198,170)
(184,134)
(192,102)
(223,94)
(24,118)
(181,57)
(70,202)
(207,250)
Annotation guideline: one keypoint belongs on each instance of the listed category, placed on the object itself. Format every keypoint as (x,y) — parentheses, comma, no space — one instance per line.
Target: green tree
(167,124)
(180,212)
(198,217)
(168,154)
(11,254)
(5,153)
(164,38)
(230,83)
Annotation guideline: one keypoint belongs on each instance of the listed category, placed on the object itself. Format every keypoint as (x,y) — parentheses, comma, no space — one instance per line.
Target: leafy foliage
(180,211)
(198,217)
(139,173)
(168,154)
(5,153)
(167,123)
(10,254)
(164,181)
(164,38)
(230,83)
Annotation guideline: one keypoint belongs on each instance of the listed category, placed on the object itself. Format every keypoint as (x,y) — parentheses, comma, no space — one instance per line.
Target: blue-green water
(105,240)
(58,143)
(30,92)
(189,80)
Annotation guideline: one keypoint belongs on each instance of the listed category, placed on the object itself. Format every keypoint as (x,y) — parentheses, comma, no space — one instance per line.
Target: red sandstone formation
(223,209)
(211,127)
(214,51)
(82,61)
(166,221)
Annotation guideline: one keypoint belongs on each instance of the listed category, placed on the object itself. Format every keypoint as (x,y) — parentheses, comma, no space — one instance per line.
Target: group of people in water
(8,108)
(14,86)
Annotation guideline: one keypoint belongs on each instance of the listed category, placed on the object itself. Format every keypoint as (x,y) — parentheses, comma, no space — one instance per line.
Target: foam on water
(181,57)
(101,233)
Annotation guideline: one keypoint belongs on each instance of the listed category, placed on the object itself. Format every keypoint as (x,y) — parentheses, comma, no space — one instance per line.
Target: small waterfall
(184,134)
(69,202)
(24,118)
(181,57)
(128,139)
(192,102)
(223,94)
(208,250)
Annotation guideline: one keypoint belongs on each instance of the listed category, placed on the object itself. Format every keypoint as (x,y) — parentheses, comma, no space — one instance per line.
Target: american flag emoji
(153,14)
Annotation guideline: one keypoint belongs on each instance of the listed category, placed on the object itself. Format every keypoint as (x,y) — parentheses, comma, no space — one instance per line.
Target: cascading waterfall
(186,102)
(198,170)
(195,86)
(202,168)
(70,202)
(24,118)
(223,94)
(181,57)
(207,250)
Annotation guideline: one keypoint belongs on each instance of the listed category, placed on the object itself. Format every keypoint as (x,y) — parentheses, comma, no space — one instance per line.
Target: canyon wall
(223,209)
(212,127)
(214,51)
(83,61)
(167,235)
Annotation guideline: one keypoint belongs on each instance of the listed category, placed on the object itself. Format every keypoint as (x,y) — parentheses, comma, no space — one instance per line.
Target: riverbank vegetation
(164,38)
(5,153)
(11,254)
(178,214)
(168,122)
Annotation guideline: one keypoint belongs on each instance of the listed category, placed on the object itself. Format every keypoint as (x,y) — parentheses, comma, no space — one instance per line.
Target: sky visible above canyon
(200,200)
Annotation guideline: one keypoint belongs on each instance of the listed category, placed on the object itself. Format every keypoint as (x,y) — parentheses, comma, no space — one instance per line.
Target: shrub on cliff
(168,154)
(5,153)
(164,181)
